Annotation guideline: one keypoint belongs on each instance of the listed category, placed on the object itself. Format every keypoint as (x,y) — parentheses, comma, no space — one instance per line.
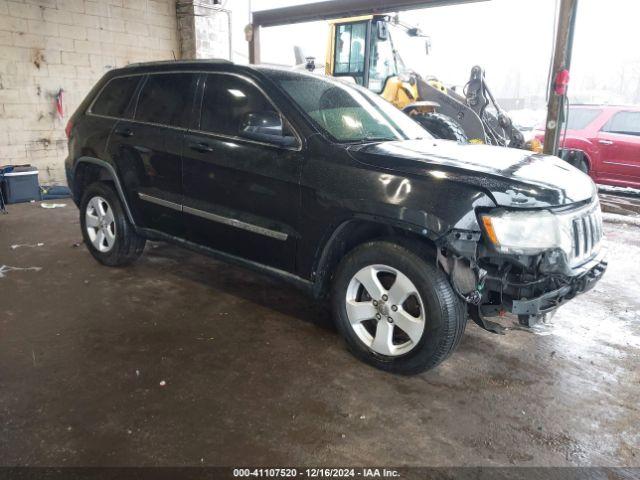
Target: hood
(513,178)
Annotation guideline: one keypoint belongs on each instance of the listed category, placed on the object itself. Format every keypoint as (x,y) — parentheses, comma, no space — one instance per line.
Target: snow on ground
(618,190)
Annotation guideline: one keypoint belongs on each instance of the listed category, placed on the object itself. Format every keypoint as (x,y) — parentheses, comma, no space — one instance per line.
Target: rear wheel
(396,311)
(106,230)
(442,126)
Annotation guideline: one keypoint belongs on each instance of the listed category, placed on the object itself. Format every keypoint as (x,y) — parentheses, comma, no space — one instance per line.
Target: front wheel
(583,166)
(109,236)
(396,311)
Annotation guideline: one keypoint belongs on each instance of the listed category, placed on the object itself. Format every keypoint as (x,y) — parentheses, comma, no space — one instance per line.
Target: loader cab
(362,50)
(366,50)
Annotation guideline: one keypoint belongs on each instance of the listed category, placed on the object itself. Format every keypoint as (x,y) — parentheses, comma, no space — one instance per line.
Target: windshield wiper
(378,139)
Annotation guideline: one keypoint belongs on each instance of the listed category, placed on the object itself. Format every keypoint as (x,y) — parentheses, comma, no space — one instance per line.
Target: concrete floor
(254,374)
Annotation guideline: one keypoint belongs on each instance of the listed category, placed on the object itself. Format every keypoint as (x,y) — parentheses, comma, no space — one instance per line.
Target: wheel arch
(578,154)
(352,233)
(587,158)
(90,169)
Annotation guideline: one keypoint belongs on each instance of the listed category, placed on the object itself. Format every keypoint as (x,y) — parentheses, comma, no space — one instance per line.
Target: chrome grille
(587,234)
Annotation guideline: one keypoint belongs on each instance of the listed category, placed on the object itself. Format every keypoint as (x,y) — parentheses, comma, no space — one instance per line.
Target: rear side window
(227,99)
(166,99)
(115,97)
(579,118)
(627,123)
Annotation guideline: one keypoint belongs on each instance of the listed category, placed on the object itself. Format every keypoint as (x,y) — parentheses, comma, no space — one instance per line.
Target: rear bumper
(69,172)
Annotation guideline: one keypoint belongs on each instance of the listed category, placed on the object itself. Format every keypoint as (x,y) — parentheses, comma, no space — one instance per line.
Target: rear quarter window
(115,97)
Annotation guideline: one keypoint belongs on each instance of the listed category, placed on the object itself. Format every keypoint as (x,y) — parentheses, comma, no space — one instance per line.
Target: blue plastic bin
(20,185)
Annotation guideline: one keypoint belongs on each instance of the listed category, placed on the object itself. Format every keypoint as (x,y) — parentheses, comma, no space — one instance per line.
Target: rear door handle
(124,132)
(201,147)
(605,142)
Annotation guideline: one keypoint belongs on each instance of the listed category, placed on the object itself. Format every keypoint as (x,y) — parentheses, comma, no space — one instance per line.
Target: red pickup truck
(607,142)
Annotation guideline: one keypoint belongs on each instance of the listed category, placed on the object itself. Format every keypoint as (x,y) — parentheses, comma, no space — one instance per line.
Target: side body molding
(113,176)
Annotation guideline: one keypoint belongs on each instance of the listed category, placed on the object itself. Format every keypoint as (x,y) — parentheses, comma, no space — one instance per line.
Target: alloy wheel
(100,224)
(385,310)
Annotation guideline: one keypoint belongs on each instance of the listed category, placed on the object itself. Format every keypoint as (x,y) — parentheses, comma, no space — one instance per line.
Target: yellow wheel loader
(364,50)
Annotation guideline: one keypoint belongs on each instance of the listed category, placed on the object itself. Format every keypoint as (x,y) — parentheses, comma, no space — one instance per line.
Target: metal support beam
(331,9)
(561,61)
(342,8)
(254,45)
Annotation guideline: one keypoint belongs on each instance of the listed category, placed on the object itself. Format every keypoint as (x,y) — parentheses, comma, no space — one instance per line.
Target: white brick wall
(46,45)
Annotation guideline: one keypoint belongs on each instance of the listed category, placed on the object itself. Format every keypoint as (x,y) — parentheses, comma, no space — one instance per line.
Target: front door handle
(124,132)
(605,142)
(201,147)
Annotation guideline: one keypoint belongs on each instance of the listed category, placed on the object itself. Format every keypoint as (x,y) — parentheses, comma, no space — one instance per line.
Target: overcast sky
(511,39)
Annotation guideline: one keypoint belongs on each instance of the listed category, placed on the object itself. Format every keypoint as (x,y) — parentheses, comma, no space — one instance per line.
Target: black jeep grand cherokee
(327,186)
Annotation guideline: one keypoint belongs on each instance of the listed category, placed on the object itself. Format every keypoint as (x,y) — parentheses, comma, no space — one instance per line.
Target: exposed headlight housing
(526,232)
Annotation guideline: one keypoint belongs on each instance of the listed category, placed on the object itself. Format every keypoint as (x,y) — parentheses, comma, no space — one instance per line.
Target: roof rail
(179,62)
(585,104)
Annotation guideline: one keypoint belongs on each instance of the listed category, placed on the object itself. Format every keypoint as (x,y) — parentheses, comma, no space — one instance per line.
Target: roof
(272,71)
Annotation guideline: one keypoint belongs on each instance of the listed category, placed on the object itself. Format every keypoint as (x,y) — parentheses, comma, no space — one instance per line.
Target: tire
(575,158)
(441,311)
(102,217)
(583,166)
(442,126)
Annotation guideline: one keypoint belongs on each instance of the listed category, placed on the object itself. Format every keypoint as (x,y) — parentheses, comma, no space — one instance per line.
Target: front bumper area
(551,300)
(528,293)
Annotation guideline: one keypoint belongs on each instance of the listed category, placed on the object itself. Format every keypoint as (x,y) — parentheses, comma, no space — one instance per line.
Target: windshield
(383,61)
(386,60)
(411,54)
(348,113)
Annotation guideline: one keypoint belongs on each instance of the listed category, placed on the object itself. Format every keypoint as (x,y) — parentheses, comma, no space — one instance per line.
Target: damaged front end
(525,263)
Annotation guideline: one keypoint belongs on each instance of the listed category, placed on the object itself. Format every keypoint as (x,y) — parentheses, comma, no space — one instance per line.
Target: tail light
(562,82)
(67,129)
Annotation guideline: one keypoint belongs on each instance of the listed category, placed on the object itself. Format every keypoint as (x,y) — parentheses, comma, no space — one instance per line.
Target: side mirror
(265,126)
(383,33)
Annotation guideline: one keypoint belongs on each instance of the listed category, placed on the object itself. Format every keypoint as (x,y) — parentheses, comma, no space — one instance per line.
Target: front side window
(626,123)
(233,106)
(115,97)
(166,99)
(227,99)
(348,113)
(350,43)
